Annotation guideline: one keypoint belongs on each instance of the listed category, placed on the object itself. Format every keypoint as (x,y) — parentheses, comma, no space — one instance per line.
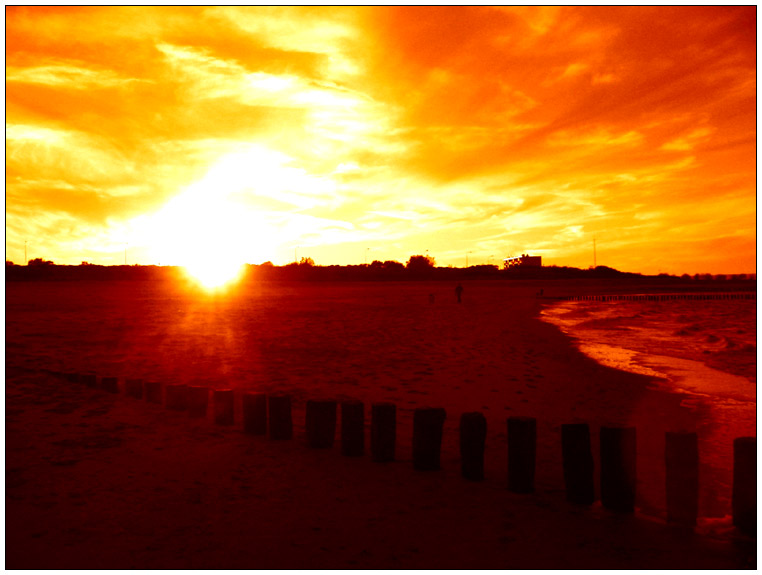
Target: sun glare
(240,212)
(213,275)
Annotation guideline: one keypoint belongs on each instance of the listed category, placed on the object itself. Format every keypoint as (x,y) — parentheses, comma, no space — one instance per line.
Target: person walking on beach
(459,292)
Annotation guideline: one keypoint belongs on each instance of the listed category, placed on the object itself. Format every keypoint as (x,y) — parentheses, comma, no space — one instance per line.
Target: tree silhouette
(39,262)
(420,263)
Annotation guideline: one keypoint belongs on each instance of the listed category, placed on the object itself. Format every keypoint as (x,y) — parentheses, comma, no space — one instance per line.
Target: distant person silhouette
(459,292)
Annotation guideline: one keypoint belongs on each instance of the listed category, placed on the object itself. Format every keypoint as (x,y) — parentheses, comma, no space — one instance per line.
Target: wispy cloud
(482,130)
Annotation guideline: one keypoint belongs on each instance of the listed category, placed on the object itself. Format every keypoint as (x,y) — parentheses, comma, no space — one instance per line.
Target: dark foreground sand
(96,480)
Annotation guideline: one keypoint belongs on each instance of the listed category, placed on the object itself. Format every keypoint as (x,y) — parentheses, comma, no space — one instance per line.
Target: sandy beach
(100,480)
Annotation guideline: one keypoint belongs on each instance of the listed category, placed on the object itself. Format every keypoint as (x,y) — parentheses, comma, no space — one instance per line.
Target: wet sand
(96,480)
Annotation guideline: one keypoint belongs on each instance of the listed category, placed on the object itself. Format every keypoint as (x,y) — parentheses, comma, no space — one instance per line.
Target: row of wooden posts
(271,414)
(661,297)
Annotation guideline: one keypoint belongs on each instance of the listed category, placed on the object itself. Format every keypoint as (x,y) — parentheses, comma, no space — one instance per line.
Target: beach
(100,480)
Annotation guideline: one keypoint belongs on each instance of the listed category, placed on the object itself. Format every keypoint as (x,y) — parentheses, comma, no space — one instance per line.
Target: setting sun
(212,274)
(219,223)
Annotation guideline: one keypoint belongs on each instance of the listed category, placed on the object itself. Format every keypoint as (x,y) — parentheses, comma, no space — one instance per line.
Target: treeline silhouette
(417,268)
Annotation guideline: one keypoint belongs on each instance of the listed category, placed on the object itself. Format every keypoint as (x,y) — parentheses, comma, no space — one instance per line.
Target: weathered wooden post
(198,400)
(279,408)
(320,423)
(473,435)
(427,437)
(352,428)
(745,484)
(682,475)
(522,449)
(383,431)
(110,384)
(134,388)
(89,379)
(618,468)
(224,406)
(578,463)
(176,396)
(152,391)
(255,413)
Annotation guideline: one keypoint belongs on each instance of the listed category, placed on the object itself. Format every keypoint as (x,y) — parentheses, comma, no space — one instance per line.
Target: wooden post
(320,423)
(152,391)
(578,463)
(255,413)
(198,400)
(134,388)
(176,397)
(383,431)
(682,475)
(352,428)
(110,384)
(224,406)
(522,448)
(473,434)
(618,468)
(89,379)
(745,484)
(279,407)
(427,437)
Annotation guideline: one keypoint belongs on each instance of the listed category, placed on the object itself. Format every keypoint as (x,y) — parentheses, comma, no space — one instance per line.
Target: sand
(100,480)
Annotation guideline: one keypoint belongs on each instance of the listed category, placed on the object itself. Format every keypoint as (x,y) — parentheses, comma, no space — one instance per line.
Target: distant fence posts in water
(383,431)
(224,406)
(176,397)
(681,461)
(661,297)
(352,428)
(152,391)
(110,384)
(745,484)
(198,400)
(473,434)
(320,423)
(255,413)
(618,468)
(522,447)
(578,463)
(134,388)
(427,437)
(279,408)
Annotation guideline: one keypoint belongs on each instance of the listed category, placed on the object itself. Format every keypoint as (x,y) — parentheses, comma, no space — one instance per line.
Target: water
(705,351)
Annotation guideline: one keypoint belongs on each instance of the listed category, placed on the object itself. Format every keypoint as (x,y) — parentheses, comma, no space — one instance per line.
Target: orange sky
(347,134)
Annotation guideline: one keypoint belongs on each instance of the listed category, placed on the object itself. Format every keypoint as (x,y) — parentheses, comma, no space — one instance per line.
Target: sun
(240,211)
(213,275)
(210,235)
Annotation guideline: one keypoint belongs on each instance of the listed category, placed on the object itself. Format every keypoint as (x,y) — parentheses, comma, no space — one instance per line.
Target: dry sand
(96,480)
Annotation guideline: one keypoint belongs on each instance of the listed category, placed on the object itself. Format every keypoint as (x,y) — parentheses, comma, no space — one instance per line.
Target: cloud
(481,129)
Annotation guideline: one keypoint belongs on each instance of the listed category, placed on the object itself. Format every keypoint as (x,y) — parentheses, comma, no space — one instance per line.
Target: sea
(703,350)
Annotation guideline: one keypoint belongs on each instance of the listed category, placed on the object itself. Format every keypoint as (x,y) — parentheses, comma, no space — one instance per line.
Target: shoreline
(109,481)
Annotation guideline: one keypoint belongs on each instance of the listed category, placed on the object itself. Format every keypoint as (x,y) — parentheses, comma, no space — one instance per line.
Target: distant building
(524,260)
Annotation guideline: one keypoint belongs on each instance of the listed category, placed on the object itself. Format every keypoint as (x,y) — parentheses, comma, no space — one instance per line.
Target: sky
(165,135)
